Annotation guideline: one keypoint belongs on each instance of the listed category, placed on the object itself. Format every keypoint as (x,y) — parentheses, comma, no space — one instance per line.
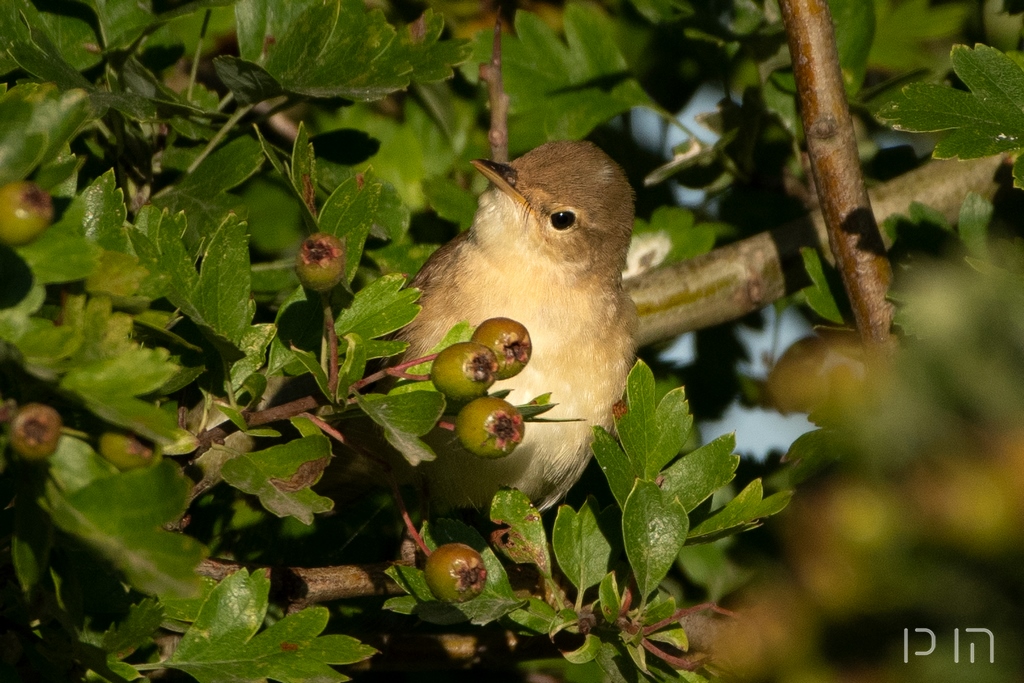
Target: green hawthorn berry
(126,451)
(320,263)
(464,371)
(455,573)
(510,342)
(26,210)
(489,427)
(35,431)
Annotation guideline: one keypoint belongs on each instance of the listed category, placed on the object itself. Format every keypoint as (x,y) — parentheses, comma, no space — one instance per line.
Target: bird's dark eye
(560,220)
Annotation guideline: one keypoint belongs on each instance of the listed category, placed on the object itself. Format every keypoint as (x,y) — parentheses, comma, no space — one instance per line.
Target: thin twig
(685,611)
(331,431)
(832,145)
(198,56)
(394,371)
(672,660)
(404,512)
(256,418)
(491,74)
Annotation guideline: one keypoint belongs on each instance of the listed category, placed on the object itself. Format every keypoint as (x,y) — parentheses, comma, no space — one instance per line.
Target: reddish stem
(409,526)
(394,371)
(331,431)
(671,660)
(680,613)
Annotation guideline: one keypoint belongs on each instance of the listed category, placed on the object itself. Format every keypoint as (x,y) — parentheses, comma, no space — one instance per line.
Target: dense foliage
(189,147)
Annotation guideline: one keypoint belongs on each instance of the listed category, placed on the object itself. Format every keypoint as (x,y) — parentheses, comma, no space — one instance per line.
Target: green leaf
(676,637)
(313,367)
(975,216)
(339,49)
(450,201)
(905,28)
(674,424)
(223,645)
(136,629)
(657,11)
(121,516)
(351,211)
(855,31)
(33,531)
(562,90)
(249,82)
(220,298)
(538,617)
(743,512)
(405,417)
(203,196)
(608,594)
(616,664)
(108,387)
(354,366)
(638,427)
(524,540)
(39,119)
(378,309)
(819,295)
(120,21)
(254,342)
(303,174)
(282,476)
(654,526)
(700,473)
(300,324)
(581,547)
(68,250)
(986,121)
(614,463)
(810,453)
(585,652)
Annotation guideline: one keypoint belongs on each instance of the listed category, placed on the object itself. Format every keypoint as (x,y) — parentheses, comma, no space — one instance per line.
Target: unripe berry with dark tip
(464,371)
(510,342)
(35,431)
(489,427)
(455,573)
(126,451)
(26,210)
(320,263)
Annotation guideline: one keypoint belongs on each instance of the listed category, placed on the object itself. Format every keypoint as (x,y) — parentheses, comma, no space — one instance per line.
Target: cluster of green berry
(487,426)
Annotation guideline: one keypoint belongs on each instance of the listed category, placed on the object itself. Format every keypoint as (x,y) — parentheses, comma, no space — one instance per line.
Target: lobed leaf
(581,547)
(281,476)
(129,533)
(654,528)
(524,541)
(223,645)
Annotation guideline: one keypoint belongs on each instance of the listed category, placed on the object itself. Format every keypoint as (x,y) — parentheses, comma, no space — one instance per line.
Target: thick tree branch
(298,587)
(737,279)
(853,234)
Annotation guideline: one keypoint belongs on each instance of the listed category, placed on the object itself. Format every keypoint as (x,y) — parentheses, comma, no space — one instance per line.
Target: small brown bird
(547,248)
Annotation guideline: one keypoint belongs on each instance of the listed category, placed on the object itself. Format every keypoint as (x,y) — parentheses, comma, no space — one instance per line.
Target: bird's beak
(503,176)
